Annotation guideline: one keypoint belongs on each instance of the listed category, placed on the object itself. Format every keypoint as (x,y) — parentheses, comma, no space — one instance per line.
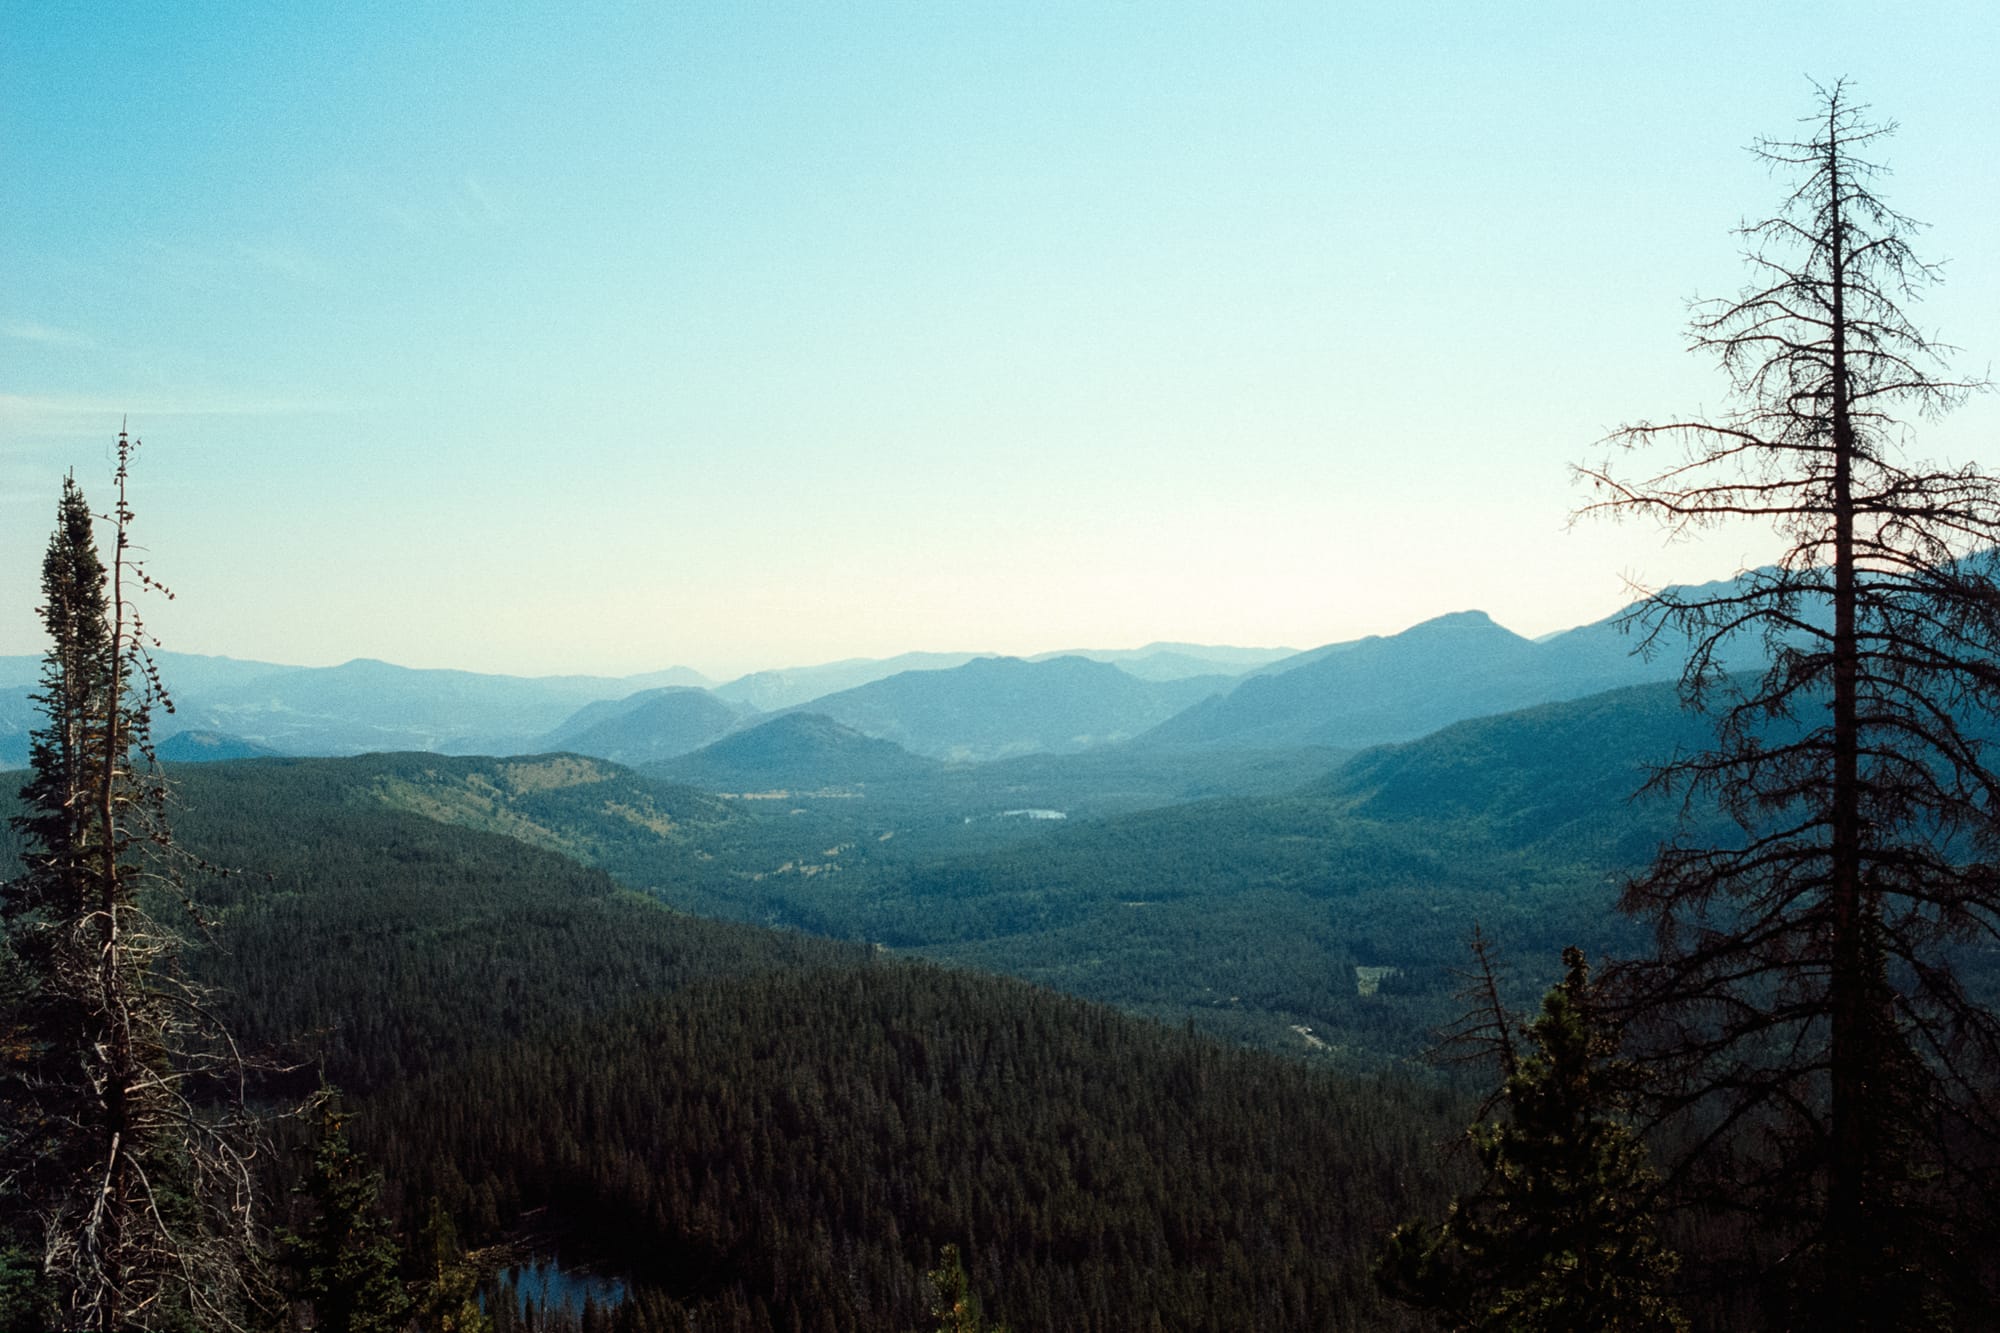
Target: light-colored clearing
(1368,980)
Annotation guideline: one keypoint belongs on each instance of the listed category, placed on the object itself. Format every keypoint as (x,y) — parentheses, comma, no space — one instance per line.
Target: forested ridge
(1248,914)
(766,1129)
(791,1148)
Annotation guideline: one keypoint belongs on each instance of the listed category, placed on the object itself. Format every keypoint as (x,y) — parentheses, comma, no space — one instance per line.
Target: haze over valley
(957,707)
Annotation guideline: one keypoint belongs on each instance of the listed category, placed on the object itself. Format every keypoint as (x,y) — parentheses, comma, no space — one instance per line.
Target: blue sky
(602,338)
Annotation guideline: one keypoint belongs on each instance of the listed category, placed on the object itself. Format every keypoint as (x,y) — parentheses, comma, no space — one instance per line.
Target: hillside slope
(760,1129)
(645,727)
(1397,688)
(995,707)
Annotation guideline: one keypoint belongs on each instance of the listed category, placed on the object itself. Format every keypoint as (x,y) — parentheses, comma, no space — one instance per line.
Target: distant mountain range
(1398,687)
(1392,688)
(955,707)
(368,706)
(775,691)
(1178,661)
(354,708)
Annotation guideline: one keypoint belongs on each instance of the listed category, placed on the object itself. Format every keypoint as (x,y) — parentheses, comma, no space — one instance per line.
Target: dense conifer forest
(766,1129)
(1247,915)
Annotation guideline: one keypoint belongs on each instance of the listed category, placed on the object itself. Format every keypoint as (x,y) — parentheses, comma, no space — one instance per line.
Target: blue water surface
(550,1286)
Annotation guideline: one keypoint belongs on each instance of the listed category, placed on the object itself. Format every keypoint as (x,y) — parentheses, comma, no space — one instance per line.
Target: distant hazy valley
(953,707)
(1237,835)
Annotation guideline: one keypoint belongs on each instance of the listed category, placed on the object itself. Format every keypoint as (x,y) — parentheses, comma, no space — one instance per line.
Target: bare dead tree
(1483,1033)
(1806,1012)
(130,1141)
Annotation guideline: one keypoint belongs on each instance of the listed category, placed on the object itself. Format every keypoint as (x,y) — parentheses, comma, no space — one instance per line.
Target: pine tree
(343,1256)
(447,1284)
(45,908)
(40,1100)
(1561,1234)
(953,1302)
(123,1154)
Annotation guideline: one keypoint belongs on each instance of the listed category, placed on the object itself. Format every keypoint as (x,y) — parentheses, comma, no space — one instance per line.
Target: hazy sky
(603,338)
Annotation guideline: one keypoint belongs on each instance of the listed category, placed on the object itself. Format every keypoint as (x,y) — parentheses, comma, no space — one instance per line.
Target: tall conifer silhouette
(128,1166)
(1805,1011)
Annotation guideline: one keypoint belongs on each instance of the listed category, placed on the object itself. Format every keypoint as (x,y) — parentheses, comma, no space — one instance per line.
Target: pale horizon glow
(590,340)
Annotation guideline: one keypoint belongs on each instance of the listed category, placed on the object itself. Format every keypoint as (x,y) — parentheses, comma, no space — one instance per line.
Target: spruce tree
(123,1157)
(42,1102)
(953,1302)
(447,1282)
(1561,1234)
(343,1256)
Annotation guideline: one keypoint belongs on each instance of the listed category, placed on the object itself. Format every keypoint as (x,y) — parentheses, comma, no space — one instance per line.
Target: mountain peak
(1456,620)
(795,750)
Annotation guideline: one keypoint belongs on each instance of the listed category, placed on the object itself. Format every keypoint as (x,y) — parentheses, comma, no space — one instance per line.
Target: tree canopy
(1560,1234)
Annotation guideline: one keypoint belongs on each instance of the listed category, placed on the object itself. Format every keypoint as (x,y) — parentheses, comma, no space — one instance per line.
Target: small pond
(551,1286)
